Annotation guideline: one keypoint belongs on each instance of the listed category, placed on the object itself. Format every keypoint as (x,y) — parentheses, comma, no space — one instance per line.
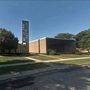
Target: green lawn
(13,59)
(56,57)
(78,61)
(42,57)
(14,69)
(64,56)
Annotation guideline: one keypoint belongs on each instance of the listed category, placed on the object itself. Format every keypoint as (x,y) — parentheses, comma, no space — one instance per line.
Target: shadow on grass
(20,68)
(15,61)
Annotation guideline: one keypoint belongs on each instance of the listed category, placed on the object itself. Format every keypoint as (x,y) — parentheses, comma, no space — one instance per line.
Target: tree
(64,36)
(7,41)
(83,40)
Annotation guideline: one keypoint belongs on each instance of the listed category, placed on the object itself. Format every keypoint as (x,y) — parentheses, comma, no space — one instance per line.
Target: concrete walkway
(68,59)
(38,61)
(25,63)
(1,56)
(60,59)
(36,71)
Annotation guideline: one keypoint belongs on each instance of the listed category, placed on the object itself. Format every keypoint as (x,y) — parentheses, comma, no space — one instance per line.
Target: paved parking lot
(64,80)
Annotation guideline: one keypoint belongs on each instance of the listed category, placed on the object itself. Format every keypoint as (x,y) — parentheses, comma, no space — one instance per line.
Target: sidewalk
(55,60)
(38,61)
(31,72)
(25,63)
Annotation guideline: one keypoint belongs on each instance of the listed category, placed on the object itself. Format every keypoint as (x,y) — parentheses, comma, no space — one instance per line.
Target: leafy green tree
(83,39)
(64,36)
(7,41)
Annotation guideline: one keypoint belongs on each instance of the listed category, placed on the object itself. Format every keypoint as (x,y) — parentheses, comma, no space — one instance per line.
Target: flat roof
(60,38)
(51,38)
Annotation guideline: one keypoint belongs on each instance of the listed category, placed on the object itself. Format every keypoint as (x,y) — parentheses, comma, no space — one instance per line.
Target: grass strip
(13,59)
(65,56)
(79,61)
(42,57)
(13,69)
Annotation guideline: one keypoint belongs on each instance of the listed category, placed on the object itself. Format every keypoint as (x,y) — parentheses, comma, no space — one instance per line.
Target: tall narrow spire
(25,36)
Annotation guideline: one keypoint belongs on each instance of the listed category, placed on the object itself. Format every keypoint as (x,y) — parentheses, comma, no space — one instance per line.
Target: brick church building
(43,45)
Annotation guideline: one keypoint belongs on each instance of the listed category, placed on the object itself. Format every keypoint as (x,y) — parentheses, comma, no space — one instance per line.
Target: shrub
(52,52)
(78,52)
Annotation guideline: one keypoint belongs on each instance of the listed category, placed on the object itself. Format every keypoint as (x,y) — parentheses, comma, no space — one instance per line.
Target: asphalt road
(70,79)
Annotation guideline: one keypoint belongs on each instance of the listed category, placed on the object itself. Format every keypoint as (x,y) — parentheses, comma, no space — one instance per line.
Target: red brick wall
(34,46)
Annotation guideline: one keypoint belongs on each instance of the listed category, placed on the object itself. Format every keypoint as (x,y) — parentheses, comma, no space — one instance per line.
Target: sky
(46,18)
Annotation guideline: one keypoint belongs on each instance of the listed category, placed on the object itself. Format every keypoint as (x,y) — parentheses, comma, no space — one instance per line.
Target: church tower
(25,36)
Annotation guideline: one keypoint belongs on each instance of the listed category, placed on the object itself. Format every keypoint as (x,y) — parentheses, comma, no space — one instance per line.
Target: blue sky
(47,17)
